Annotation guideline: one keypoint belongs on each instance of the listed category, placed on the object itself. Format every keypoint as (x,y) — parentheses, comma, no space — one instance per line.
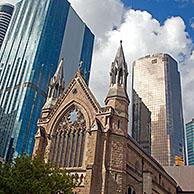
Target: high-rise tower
(6,11)
(157,81)
(141,123)
(41,33)
(190,141)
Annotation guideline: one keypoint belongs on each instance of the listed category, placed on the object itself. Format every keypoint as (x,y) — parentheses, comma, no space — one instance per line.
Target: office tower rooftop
(190,141)
(6,11)
(157,81)
(41,33)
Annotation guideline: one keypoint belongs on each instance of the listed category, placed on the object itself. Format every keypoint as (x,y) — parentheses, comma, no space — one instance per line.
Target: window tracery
(68,139)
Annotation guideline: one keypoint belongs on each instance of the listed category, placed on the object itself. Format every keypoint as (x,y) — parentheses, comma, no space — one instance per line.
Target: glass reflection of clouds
(157,82)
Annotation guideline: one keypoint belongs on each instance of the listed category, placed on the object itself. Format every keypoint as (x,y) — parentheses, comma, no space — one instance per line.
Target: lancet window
(68,139)
(130,191)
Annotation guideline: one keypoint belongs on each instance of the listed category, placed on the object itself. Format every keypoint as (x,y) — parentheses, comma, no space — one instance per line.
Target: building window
(154,61)
(68,139)
(130,190)
(118,124)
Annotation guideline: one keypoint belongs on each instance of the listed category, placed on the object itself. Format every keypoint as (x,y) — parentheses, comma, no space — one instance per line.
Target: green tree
(26,176)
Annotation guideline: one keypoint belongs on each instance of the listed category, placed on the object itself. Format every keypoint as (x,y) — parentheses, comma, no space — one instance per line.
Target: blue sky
(163,9)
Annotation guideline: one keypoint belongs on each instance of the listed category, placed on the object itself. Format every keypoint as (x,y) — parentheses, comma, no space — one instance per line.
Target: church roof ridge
(77,77)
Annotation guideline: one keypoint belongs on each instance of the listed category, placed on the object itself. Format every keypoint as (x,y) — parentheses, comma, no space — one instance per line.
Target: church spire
(118,76)
(56,86)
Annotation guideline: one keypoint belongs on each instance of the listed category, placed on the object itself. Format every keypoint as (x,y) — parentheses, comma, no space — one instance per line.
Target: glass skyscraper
(41,33)
(190,141)
(156,79)
(141,123)
(6,11)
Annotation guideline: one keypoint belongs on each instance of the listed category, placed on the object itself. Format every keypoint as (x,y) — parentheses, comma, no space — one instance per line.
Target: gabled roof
(78,79)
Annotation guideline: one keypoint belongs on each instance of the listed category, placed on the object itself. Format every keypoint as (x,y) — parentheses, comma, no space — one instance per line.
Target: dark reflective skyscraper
(157,82)
(41,33)
(141,123)
(6,11)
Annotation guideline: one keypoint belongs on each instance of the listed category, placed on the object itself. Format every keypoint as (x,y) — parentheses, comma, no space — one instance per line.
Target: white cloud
(188,89)
(192,25)
(141,35)
(100,15)
(192,22)
(8,1)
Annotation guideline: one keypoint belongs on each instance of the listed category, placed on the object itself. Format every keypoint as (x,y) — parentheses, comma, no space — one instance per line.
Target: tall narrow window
(70,130)
(130,191)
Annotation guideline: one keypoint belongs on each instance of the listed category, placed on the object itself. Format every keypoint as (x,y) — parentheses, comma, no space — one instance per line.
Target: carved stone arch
(68,137)
(82,108)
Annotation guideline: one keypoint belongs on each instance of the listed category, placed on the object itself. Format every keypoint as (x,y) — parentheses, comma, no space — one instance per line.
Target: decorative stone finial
(80,64)
(56,86)
(80,69)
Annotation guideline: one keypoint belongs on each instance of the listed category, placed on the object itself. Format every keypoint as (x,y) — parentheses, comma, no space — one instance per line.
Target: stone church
(92,142)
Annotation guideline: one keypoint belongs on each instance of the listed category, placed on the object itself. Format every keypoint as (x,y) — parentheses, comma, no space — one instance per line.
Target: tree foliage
(26,176)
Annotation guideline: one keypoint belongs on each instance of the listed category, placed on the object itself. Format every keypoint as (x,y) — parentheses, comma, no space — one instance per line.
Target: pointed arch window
(130,190)
(68,139)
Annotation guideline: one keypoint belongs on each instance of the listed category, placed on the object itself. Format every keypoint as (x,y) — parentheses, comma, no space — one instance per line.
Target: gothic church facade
(76,133)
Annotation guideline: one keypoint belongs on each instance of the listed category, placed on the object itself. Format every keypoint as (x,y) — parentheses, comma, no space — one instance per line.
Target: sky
(146,27)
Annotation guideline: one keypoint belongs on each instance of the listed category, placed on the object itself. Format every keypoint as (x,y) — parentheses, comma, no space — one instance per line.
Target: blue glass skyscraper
(41,33)
(190,141)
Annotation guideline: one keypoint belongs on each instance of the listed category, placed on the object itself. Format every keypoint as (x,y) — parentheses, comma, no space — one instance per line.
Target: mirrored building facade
(156,79)
(190,141)
(141,125)
(41,33)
